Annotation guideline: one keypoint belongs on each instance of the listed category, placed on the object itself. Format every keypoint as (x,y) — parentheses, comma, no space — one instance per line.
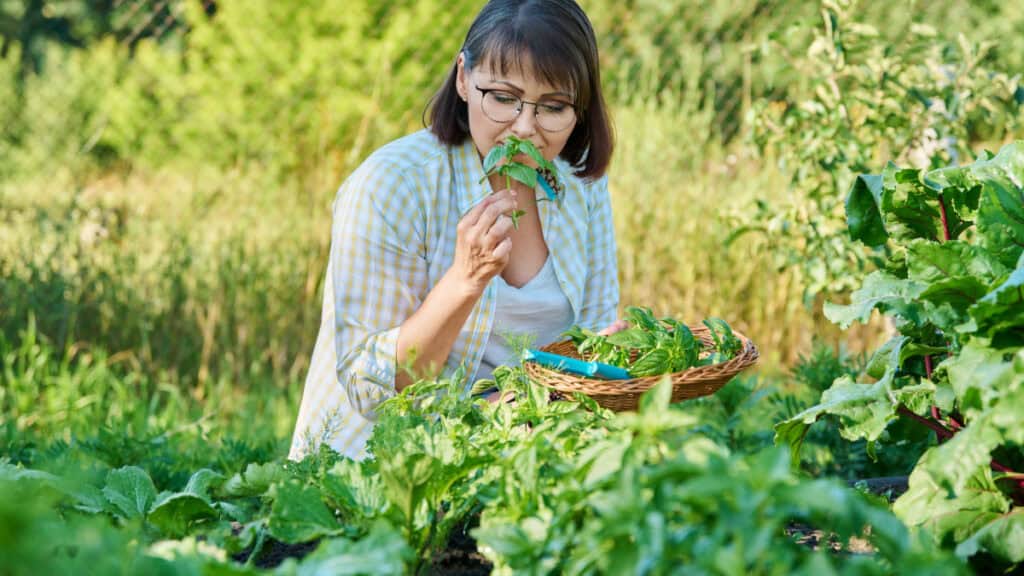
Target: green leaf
(493,157)
(652,363)
(656,399)
(978,376)
(602,460)
(254,481)
(175,513)
(1001,209)
(642,317)
(1003,537)
(631,338)
(909,207)
(960,292)
(507,540)
(957,516)
(130,490)
(1000,313)
(888,358)
(931,262)
(880,290)
(530,150)
(202,482)
(522,173)
(355,487)
(862,210)
(382,551)
(299,514)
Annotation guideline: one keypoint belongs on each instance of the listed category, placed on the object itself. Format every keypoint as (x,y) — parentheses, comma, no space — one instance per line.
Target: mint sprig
(500,160)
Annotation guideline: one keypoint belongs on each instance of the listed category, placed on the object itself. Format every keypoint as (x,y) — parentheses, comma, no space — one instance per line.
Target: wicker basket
(624,395)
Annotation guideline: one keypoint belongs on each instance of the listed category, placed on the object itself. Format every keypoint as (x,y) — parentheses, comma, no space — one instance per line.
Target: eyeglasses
(501,106)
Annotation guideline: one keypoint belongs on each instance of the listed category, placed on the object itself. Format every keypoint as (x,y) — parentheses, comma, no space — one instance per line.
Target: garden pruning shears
(575,365)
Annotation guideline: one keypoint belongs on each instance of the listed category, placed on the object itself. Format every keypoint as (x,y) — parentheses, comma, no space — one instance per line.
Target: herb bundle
(501,160)
(652,346)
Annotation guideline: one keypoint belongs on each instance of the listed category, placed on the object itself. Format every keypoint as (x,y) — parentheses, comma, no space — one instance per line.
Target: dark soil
(460,558)
(273,552)
(892,487)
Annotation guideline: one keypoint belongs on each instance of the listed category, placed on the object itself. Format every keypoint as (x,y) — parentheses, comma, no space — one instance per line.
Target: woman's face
(486,132)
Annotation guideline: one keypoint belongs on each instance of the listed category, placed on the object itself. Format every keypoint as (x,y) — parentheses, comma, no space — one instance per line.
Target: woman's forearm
(428,335)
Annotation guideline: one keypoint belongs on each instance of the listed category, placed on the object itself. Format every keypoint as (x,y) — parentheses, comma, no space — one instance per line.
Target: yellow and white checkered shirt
(393,238)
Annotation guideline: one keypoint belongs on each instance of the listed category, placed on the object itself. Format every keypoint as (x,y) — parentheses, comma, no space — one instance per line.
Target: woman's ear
(461,82)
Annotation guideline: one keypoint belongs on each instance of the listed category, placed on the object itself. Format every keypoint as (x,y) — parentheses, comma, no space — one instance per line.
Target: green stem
(945,219)
(261,536)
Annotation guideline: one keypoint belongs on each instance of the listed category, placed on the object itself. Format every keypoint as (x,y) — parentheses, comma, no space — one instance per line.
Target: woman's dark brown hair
(557,37)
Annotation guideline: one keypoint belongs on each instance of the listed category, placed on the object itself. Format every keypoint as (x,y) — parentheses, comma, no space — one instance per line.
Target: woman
(426,268)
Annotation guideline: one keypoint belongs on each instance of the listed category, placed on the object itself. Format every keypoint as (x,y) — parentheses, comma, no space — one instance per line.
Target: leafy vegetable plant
(501,160)
(652,346)
(953,284)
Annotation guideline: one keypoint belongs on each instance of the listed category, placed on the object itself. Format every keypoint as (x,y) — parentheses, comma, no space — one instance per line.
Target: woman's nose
(525,124)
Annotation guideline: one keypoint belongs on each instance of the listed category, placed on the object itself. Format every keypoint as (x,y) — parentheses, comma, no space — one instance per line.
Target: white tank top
(539,309)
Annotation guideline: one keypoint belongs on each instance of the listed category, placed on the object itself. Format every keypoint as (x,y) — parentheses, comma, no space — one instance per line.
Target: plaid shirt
(393,238)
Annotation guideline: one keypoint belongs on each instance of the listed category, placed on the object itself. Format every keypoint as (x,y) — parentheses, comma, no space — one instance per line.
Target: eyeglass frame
(522,104)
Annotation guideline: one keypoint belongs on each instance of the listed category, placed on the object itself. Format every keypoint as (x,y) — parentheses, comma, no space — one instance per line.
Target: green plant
(501,160)
(917,97)
(652,346)
(953,284)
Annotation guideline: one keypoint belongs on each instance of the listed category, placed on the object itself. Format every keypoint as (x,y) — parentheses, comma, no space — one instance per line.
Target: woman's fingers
(503,249)
(494,211)
(499,231)
(476,213)
(617,326)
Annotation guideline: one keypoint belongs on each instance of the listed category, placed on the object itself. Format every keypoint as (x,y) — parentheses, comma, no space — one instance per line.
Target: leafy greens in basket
(652,346)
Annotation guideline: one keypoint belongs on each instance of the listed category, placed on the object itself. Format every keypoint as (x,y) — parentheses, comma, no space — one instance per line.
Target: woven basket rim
(692,382)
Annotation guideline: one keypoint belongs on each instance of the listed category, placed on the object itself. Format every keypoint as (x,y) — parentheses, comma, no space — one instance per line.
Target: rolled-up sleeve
(378,273)
(601,290)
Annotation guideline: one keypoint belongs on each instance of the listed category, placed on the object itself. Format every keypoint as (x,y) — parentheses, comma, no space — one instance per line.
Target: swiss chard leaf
(863,214)
(880,290)
(1000,313)
(1001,211)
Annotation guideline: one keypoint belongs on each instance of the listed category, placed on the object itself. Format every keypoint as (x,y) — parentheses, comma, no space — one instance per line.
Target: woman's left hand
(617,326)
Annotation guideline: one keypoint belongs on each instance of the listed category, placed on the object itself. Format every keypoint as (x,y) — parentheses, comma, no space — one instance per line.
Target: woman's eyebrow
(520,90)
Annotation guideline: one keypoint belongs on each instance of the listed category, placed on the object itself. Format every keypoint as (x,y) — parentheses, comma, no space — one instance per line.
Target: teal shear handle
(576,366)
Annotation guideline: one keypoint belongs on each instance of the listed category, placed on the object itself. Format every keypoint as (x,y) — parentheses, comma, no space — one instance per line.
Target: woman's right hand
(484,243)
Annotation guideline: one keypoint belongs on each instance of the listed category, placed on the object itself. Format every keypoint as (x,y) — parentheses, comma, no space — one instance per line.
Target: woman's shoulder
(408,152)
(593,190)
